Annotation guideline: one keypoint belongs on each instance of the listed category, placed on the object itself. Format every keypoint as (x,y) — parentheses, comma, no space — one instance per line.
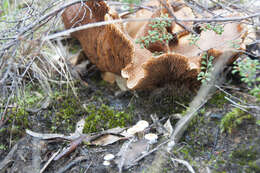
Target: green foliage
(104,117)
(218,29)
(158,32)
(130,4)
(258,122)
(206,68)
(244,155)
(249,71)
(5,7)
(132,1)
(193,39)
(233,119)
(3,147)
(235,44)
(218,99)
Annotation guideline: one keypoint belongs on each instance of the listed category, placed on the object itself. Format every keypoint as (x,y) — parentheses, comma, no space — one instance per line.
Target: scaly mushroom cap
(106,46)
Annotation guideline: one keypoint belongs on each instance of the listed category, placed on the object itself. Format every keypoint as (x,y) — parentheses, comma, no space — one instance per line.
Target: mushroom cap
(139,127)
(106,46)
(151,137)
(156,71)
(114,51)
(109,157)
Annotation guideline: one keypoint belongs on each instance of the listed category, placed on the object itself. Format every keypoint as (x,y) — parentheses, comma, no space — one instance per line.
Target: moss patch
(67,112)
(233,119)
(218,99)
(104,117)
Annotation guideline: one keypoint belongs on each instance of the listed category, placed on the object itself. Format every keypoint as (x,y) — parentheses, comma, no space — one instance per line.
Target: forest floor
(205,146)
(224,135)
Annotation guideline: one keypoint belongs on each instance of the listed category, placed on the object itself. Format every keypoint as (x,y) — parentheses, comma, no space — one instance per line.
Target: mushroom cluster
(113,47)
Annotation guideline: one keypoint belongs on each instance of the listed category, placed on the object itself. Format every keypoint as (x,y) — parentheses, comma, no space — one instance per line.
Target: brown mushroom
(113,50)
(167,68)
(106,46)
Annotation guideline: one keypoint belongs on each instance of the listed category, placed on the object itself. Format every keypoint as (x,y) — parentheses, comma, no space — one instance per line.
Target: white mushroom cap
(109,157)
(139,127)
(151,137)
(106,163)
(142,123)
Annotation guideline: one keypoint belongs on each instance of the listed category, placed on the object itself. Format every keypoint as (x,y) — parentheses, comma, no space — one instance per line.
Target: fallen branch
(185,163)
(70,165)
(97,24)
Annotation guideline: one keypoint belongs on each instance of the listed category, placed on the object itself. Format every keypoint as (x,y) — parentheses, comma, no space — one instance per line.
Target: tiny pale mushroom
(138,129)
(106,163)
(109,157)
(151,137)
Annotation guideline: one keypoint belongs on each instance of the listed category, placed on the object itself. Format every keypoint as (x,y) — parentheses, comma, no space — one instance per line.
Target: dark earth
(204,145)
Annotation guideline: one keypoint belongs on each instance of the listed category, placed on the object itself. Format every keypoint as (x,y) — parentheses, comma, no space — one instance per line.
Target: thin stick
(97,24)
(49,161)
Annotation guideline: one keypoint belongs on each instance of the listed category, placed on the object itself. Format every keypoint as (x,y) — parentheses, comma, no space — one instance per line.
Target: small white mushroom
(109,157)
(138,128)
(142,123)
(151,137)
(106,163)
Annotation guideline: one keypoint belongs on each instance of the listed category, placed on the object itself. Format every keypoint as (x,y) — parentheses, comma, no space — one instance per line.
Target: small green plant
(194,39)
(206,68)
(158,32)
(249,71)
(235,44)
(218,29)
(3,147)
(258,122)
(233,119)
(130,3)
(5,7)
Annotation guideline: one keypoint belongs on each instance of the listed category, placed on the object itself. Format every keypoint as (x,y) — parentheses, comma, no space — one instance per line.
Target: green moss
(68,109)
(19,116)
(233,119)
(218,99)
(246,156)
(104,117)
(254,166)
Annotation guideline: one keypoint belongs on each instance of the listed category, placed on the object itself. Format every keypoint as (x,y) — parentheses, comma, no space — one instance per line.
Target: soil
(203,145)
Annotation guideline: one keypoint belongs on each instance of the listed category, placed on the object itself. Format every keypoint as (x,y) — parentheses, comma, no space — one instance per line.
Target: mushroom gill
(112,48)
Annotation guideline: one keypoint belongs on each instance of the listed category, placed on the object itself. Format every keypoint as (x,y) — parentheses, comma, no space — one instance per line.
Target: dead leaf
(106,140)
(130,151)
(168,127)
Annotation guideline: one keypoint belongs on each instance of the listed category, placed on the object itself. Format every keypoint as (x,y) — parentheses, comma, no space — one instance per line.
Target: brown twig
(97,24)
